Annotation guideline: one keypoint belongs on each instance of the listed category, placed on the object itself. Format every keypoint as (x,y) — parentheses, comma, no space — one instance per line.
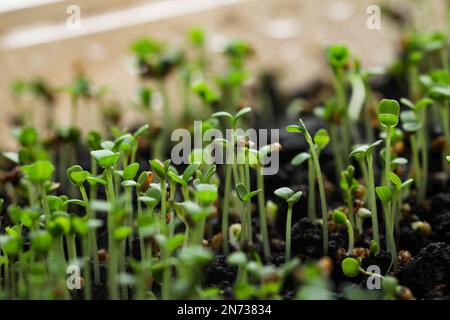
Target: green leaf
(93,140)
(77,175)
(339,217)
(158,168)
(197,36)
(206,193)
(178,179)
(77,202)
(423,103)
(440,93)
(406,183)
(384,193)
(39,171)
(374,247)
(41,241)
(130,171)
(408,103)
(128,183)
(174,242)
(59,226)
(300,158)
(294,198)
(140,131)
(389,285)
(284,193)
(122,233)
(295,128)
(395,180)
(96,180)
(205,92)
(321,138)
(338,56)
(105,158)
(149,201)
(250,195)
(241,191)
(241,113)
(350,267)
(222,114)
(26,136)
(190,170)
(237,258)
(388,112)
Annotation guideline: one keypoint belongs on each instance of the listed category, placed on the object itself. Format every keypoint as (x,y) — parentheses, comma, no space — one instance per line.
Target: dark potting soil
(428,273)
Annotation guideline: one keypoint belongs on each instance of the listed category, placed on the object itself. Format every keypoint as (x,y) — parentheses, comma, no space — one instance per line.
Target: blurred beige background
(288,37)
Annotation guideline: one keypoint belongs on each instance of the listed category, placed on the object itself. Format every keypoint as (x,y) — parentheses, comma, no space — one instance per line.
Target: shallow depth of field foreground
(334,182)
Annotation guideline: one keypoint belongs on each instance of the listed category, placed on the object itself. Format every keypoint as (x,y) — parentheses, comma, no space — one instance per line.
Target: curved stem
(323,201)
(351,236)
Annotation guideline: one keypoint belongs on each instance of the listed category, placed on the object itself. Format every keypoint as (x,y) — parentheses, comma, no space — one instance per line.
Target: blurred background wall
(288,37)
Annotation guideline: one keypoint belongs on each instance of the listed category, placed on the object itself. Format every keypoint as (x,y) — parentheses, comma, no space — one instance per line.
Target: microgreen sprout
(291,198)
(339,217)
(302,129)
(245,196)
(365,153)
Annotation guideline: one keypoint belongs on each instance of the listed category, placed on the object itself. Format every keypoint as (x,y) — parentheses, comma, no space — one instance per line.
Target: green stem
(225,208)
(87,274)
(372,199)
(44,202)
(311,191)
(351,237)
(262,214)
(163,198)
(288,234)
(323,200)
(415,158)
(336,151)
(92,238)
(387,165)
(166,276)
(113,258)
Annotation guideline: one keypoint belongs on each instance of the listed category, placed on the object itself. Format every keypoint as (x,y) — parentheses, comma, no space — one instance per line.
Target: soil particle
(442,229)
(218,271)
(428,273)
(306,239)
(410,239)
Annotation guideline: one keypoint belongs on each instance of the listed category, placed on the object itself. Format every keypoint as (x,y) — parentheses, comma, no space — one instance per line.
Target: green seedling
(291,198)
(416,126)
(245,196)
(348,185)
(340,218)
(161,170)
(388,116)
(107,160)
(78,177)
(302,129)
(321,140)
(209,97)
(338,57)
(365,154)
